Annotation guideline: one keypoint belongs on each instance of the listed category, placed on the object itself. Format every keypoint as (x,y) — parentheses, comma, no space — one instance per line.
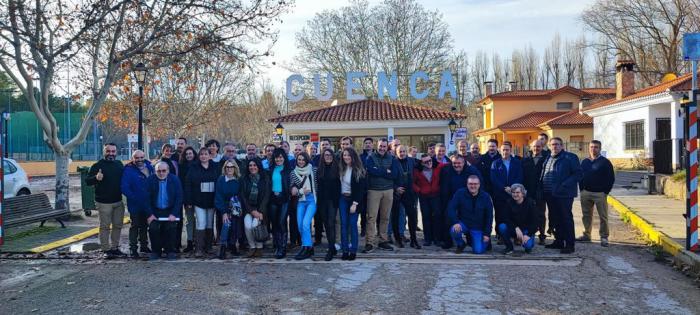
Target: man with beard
(133,186)
(485,164)
(106,176)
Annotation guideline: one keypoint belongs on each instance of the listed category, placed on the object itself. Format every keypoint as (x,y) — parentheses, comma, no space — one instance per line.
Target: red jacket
(424,188)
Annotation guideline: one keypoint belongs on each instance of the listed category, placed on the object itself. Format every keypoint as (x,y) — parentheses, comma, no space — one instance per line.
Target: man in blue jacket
(452,177)
(561,173)
(133,186)
(505,172)
(383,177)
(164,204)
(471,212)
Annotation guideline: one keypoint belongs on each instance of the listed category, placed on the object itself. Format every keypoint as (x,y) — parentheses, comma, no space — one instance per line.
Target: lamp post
(452,125)
(279,129)
(140,74)
(6,117)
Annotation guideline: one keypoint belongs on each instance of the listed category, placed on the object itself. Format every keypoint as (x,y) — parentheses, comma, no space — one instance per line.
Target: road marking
(71,239)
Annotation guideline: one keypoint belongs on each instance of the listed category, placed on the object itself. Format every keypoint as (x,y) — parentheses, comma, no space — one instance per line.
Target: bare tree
(395,36)
(480,73)
(555,60)
(101,40)
(569,62)
(647,31)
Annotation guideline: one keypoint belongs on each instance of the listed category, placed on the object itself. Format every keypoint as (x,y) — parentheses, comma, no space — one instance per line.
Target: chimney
(624,78)
(513,85)
(582,103)
(488,88)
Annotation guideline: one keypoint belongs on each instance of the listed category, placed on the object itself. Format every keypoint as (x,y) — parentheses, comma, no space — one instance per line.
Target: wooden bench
(28,209)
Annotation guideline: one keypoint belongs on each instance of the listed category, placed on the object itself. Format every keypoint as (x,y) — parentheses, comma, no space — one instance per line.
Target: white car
(16,180)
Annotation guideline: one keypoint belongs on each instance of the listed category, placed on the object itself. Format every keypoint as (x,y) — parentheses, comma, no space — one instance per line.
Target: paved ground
(624,279)
(665,214)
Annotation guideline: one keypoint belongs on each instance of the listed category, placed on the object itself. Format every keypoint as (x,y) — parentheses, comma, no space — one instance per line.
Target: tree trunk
(62,181)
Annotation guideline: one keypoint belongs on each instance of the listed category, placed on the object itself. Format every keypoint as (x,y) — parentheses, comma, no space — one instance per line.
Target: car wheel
(23,192)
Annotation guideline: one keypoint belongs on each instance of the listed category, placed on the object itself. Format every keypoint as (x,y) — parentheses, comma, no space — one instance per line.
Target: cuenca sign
(386,84)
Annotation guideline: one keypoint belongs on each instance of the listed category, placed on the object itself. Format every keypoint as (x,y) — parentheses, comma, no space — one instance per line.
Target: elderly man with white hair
(165,201)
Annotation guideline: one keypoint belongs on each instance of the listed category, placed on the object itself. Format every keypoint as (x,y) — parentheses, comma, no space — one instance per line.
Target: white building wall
(610,130)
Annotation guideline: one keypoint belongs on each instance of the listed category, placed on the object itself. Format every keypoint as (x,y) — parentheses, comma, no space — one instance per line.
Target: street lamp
(6,117)
(279,130)
(140,72)
(452,125)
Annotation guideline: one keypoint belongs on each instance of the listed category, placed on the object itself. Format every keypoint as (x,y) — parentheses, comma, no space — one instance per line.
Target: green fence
(25,137)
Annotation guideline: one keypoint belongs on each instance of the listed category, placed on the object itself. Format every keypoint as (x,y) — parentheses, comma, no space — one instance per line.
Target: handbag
(260,233)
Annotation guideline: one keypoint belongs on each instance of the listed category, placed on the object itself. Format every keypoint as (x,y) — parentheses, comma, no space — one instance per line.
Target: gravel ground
(622,279)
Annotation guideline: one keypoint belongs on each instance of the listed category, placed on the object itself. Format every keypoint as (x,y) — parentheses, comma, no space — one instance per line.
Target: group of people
(292,197)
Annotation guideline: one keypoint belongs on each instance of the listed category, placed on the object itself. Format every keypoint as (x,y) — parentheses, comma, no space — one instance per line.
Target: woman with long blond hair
(228,205)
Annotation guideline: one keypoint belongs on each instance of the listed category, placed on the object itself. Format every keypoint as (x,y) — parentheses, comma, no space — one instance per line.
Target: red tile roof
(681,83)
(549,93)
(529,120)
(572,118)
(368,110)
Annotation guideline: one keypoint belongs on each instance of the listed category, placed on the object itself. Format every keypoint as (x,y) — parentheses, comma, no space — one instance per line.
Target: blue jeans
(508,232)
(402,222)
(230,232)
(477,237)
(348,226)
(305,213)
(429,206)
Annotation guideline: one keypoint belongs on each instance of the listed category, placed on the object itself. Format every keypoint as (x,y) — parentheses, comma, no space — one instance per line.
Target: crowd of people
(289,198)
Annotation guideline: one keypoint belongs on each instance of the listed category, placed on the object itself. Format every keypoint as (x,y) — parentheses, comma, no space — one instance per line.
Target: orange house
(519,116)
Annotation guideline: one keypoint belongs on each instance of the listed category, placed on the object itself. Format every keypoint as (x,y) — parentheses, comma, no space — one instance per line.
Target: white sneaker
(337,246)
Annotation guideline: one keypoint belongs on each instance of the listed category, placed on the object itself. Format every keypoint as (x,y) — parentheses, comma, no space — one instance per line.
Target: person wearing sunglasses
(426,185)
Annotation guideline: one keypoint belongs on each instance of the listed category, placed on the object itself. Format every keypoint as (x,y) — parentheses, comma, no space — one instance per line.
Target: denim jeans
(429,207)
(508,232)
(348,226)
(477,238)
(230,232)
(278,217)
(305,213)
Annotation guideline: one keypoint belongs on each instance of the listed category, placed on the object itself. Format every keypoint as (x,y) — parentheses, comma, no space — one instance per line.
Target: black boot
(399,242)
(222,252)
(234,250)
(329,255)
(281,250)
(199,243)
(209,239)
(189,248)
(302,253)
(414,244)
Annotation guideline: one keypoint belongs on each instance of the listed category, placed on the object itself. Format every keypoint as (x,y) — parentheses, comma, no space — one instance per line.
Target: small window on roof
(565,105)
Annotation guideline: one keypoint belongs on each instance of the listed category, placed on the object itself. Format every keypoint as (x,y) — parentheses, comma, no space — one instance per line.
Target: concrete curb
(679,253)
(69,240)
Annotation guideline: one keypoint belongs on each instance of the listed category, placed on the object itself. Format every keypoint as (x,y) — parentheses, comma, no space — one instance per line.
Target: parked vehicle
(16,179)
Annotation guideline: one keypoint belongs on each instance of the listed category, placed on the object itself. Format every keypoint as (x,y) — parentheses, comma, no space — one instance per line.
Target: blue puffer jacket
(135,189)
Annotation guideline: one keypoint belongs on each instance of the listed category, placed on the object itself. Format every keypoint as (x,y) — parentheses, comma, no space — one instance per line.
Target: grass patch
(31,232)
(678,177)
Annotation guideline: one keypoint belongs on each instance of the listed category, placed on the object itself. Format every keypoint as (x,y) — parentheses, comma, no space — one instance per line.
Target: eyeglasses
(428,162)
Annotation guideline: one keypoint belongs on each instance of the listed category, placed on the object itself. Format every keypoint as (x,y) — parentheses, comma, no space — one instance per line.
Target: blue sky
(488,25)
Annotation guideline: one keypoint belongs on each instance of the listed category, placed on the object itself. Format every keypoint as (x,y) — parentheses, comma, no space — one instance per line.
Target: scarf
(254,179)
(305,171)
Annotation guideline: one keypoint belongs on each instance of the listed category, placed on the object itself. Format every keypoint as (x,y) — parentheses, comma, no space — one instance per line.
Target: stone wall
(668,187)
(631,163)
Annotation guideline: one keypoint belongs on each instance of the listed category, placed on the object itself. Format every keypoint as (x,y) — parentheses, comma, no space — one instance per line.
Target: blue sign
(691,46)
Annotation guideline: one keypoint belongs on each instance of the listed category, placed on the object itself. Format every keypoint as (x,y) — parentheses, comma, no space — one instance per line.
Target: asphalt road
(621,279)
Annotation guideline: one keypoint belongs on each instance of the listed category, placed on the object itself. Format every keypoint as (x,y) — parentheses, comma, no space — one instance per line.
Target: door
(663,128)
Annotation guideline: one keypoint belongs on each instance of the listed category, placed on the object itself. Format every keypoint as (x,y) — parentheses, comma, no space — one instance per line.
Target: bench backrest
(36,203)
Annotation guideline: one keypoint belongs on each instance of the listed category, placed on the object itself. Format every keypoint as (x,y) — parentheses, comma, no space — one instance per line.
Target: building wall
(610,130)
(506,110)
(358,134)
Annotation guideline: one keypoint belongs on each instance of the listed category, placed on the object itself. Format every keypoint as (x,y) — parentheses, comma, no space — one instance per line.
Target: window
(8,168)
(565,105)
(634,135)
